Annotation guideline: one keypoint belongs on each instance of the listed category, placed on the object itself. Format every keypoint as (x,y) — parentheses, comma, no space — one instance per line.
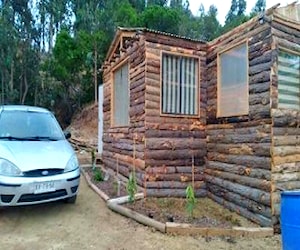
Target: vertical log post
(193,166)
(118,179)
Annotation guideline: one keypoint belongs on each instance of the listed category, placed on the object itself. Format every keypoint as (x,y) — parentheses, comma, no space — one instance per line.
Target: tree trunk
(95,73)
(2,88)
(11,83)
(26,88)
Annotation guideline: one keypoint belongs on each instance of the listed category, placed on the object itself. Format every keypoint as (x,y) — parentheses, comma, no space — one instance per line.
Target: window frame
(197,96)
(293,52)
(113,70)
(246,42)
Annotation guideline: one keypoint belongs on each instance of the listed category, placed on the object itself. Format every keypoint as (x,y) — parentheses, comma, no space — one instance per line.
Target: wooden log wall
(286,124)
(238,171)
(171,143)
(120,144)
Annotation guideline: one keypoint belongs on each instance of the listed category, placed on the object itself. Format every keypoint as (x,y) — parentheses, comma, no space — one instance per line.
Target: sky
(224,6)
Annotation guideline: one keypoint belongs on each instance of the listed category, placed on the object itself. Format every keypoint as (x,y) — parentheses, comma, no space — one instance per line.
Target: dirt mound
(84,125)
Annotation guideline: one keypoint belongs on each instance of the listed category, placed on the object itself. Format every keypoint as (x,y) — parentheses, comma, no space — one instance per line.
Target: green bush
(98,174)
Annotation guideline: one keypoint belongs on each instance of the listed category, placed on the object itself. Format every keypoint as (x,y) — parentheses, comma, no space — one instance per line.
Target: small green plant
(131,187)
(191,200)
(98,174)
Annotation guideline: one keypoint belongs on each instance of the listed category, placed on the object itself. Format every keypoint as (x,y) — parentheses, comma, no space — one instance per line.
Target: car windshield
(27,125)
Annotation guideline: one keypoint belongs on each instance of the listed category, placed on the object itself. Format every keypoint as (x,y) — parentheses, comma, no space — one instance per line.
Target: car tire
(71,200)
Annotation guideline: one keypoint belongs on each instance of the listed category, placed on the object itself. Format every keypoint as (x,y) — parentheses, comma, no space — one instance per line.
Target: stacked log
(123,147)
(285,156)
(175,146)
(238,170)
(286,124)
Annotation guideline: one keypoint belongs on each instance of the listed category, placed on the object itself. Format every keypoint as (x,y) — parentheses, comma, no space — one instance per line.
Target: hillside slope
(84,125)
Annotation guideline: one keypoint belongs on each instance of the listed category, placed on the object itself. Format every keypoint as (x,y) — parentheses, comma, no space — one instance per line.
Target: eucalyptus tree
(161,18)
(139,5)
(156,2)
(236,15)
(98,20)
(211,25)
(8,50)
(260,6)
(53,15)
(18,50)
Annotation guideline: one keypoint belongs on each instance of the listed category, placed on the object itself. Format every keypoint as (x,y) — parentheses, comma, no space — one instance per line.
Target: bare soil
(84,126)
(89,224)
(206,213)
(110,186)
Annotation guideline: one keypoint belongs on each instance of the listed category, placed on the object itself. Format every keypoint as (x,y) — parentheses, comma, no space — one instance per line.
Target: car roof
(23,108)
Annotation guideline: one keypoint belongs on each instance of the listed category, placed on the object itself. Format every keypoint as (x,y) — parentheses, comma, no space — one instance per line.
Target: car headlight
(72,164)
(9,169)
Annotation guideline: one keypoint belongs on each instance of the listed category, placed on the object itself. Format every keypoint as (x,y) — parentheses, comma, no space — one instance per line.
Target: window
(288,80)
(233,82)
(179,85)
(121,97)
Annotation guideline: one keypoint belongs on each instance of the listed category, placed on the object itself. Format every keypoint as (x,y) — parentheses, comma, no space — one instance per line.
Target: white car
(37,163)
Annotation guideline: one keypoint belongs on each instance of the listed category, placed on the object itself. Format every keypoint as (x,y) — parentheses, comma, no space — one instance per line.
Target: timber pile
(238,171)
(82,145)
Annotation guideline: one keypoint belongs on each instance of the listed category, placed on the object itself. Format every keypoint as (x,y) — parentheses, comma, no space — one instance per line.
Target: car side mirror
(67,134)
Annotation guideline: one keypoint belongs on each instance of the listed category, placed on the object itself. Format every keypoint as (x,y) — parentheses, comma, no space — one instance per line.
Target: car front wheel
(71,200)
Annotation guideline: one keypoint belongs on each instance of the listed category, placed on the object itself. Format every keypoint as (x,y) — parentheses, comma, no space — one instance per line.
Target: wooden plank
(188,229)
(137,217)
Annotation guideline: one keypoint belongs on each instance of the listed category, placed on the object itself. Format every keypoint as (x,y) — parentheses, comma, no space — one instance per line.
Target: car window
(25,124)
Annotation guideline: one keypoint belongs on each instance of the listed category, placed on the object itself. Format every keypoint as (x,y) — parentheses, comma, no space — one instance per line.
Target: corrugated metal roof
(142,29)
(137,30)
(291,11)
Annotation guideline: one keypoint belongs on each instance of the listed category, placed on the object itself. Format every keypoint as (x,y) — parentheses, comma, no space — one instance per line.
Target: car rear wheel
(71,200)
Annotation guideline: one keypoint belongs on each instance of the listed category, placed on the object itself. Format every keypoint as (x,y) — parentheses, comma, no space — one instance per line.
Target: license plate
(43,187)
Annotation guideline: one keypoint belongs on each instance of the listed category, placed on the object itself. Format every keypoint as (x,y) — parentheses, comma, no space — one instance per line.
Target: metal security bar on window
(121,97)
(179,85)
(289,80)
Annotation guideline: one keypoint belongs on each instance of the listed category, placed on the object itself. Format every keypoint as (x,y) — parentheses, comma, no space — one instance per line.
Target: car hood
(30,155)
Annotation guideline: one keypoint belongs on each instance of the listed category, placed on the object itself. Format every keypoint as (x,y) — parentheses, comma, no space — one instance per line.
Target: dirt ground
(89,224)
(206,213)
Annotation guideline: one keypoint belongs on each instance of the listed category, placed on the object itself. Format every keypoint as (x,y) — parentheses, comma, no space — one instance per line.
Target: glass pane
(233,82)
(179,82)
(121,97)
(289,80)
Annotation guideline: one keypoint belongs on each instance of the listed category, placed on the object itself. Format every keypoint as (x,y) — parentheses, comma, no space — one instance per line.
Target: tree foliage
(51,50)
(259,7)
(236,15)
(161,18)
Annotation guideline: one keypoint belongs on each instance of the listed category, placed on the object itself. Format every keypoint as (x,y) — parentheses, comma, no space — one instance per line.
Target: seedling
(117,187)
(98,174)
(131,187)
(191,200)
(93,155)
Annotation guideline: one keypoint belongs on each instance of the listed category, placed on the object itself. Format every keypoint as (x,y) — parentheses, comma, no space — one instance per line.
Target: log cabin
(223,115)
(155,110)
